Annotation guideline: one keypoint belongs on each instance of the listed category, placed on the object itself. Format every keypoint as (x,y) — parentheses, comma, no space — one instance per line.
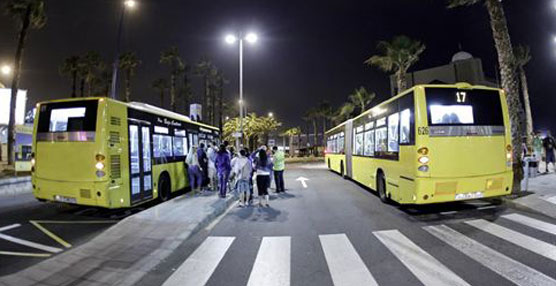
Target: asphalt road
(23,244)
(335,232)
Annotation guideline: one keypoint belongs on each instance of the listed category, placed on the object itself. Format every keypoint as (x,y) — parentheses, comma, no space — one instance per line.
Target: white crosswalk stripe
(551,199)
(198,268)
(272,265)
(531,222)
(425,267)
(345,265)
(506,267)
(532,244)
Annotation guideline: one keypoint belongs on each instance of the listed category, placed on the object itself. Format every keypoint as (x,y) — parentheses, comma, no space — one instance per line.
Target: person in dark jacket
(223,169)
(263,168)
(549,144)
(203,163)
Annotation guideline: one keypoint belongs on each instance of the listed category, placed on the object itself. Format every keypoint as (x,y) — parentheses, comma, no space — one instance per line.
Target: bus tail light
(100,165)
(424,160)
(33,162)
(423,151)
(423,168)
(509,156)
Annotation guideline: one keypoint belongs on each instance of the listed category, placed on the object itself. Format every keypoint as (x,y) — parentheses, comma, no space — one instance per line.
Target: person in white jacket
(241,171)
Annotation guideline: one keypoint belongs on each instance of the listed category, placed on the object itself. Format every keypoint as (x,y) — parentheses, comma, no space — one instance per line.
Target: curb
(133,279)
(15,185)
(524,207)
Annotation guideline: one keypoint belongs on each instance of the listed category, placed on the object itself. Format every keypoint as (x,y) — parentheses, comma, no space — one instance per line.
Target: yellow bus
(429,144)
(106,153)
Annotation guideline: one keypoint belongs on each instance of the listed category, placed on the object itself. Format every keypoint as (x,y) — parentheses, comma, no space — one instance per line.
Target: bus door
(348,137)
(140,161)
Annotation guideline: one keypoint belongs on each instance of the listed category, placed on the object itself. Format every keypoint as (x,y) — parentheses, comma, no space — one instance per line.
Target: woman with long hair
(263,167)
(194,170)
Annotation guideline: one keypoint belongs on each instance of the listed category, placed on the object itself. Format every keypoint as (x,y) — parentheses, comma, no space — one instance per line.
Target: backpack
(245,171)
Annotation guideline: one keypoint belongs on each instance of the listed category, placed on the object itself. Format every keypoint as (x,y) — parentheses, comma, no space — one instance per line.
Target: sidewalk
(11,186)
(540,195)
(123,254)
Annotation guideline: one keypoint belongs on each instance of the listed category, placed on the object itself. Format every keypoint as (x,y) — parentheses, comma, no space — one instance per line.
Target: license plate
(469,196)
(63,199)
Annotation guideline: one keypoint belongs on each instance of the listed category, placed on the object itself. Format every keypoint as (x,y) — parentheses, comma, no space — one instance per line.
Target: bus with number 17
(430,144)
(106,153)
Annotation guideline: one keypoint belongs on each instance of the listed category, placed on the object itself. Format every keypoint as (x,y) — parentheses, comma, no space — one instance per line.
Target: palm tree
(28,14)
(267,125)
(508,72)
(362,98)
(291,133)
(205,69)
(523,56)
(397,56)
(325,112)
(185,92)
(312,115)
(161,85)
(70,68)
(91,65)
(171,57)
(128,63)
(344,113)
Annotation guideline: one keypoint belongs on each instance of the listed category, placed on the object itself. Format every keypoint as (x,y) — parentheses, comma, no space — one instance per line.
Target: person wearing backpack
(241,171)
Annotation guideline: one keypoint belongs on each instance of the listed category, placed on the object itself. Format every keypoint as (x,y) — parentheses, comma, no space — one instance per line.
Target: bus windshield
(458,107)
(76,119)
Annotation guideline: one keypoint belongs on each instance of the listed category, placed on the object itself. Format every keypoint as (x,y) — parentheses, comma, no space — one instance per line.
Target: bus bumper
(440,190)
(79,193)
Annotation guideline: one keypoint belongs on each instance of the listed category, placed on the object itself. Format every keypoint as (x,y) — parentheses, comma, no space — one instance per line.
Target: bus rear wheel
(164,188)
(381,188)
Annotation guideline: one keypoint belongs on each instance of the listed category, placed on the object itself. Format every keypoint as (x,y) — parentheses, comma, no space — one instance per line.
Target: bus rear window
(68,116)
(450,106)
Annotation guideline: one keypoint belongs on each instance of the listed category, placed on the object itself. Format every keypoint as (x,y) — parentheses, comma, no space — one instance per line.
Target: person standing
(537,146)
(211,156)
(194,170)
(223,169)
(242,170)
(549,144)
(263,167)
(203,163)
(278,168)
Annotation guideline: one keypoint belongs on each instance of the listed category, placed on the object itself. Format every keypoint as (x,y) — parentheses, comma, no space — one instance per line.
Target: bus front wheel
(381,188)
(164,188)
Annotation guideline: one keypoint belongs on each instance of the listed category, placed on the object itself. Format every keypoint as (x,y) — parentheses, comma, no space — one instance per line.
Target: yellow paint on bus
(106,153)
(430,144)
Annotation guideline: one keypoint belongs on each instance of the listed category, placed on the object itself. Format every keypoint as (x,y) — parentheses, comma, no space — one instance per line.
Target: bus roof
(139,106)
(461,85)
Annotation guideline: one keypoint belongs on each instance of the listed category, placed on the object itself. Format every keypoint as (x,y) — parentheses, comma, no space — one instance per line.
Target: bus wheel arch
(381,188)
(164,186)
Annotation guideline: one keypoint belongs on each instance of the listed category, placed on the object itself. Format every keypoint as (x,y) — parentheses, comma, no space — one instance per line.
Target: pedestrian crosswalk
(343,263)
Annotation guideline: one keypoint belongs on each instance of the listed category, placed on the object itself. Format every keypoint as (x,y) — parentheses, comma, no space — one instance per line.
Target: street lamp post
(128,4)
(231,39)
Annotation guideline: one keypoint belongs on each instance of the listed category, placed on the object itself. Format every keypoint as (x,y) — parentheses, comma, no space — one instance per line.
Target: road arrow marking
(303,181)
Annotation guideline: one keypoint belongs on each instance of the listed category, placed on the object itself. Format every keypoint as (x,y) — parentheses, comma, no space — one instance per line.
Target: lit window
(393,131)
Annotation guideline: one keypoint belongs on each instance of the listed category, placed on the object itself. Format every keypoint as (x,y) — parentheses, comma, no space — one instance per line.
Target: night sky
(308,50)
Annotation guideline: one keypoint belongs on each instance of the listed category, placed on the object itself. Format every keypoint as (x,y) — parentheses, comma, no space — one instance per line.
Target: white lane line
(531,222)
(506,267)
(448,213)
(30,243)
(345,265)
(272,265)
(424,266)
(550,199)
(198,267)
(532,244)
(487,208)
(8,227)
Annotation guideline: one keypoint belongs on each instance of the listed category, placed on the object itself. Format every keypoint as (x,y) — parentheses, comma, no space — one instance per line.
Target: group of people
(543,149)
(221,168)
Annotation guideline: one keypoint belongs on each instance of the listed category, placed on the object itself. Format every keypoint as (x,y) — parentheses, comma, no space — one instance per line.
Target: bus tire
(381,188)
(329,163)
(164,191)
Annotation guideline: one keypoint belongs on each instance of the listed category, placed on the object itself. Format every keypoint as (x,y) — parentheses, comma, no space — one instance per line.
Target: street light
(231,39)
(270,114)
(127,5)
(6,70)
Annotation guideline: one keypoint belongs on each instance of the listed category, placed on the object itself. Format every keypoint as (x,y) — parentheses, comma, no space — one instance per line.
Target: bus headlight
(424,160)
(99,166)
